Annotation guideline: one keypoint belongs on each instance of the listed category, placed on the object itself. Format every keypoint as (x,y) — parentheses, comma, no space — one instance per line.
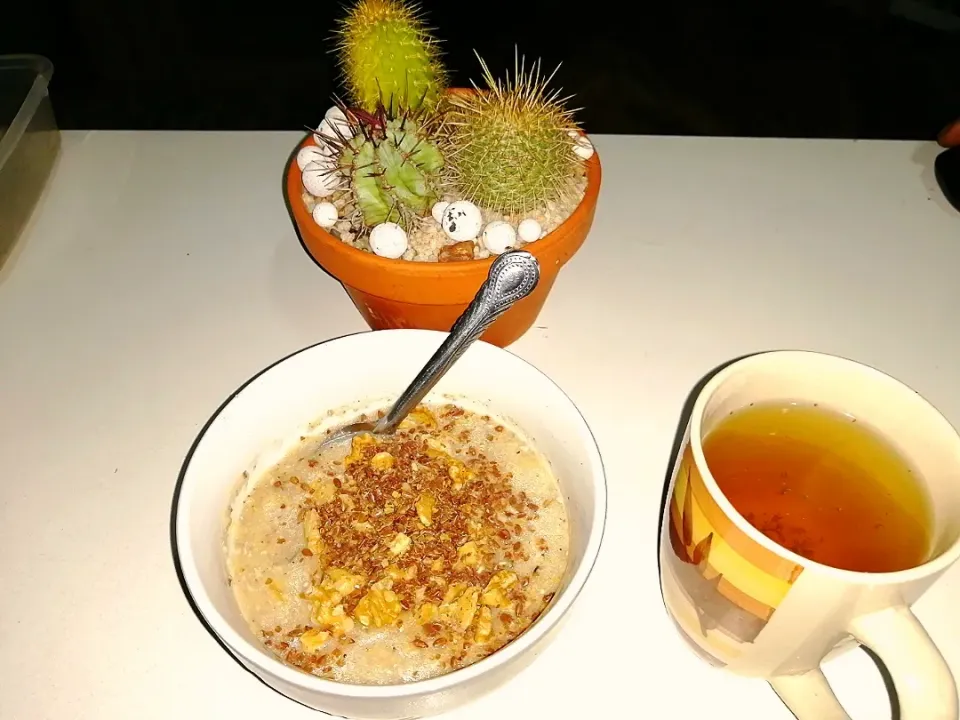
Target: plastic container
(29,142)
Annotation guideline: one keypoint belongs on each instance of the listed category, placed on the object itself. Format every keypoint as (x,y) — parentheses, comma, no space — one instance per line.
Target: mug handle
(925,686)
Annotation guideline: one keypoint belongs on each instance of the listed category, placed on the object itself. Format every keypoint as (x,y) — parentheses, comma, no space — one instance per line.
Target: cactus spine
(509,147)
(388,56)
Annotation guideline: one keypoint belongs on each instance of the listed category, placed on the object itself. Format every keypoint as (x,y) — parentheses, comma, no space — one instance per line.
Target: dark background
(817,68)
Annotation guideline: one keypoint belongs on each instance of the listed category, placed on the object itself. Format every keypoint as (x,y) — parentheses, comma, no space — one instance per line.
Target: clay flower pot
(432,295)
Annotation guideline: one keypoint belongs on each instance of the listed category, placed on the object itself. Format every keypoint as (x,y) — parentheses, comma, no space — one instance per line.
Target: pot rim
(293,189)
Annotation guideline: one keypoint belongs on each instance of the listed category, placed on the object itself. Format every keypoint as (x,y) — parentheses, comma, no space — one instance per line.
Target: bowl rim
(248,652)
(293,189)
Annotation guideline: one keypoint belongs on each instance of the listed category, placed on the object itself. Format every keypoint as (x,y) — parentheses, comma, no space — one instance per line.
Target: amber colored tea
(821,484)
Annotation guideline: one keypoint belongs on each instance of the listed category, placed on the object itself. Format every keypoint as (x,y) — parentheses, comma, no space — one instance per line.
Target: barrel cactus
(511,144)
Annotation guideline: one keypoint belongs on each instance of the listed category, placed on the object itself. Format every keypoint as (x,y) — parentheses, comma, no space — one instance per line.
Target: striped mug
(744,603)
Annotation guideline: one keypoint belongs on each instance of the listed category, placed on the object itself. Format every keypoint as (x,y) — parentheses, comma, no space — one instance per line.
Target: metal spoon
(513,276)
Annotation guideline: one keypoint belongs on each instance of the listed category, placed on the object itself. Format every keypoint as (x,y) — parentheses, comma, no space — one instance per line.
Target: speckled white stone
(319,179)
(333,129)
(308,154)
(462,220)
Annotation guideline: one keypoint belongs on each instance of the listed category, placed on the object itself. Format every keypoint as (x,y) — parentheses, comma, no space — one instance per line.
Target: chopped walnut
(311,532)
(460,605)
(419,416)
(357,445)
(378,608)
(395,574)
(382,461)
(425,506)
(484,626)
(313,640)
(495,593)
(400,543)
(468,554)
(323,492)
(429,612)
(342,581)
(334,618)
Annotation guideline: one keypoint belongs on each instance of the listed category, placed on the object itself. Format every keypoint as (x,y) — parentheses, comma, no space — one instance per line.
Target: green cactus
(388,56)
(393,167)
(509,148)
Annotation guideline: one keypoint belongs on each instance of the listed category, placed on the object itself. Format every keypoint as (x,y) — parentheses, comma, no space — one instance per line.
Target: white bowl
(261,420)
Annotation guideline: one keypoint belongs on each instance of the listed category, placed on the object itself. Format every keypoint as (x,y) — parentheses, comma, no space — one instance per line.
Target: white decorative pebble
(335,115)
(332,130)
(583,147)
(309,154)
(320,179)
(438,209)
(462,220)
(529,230)
(498,236)
(388,240)
(325,214)
(573,133)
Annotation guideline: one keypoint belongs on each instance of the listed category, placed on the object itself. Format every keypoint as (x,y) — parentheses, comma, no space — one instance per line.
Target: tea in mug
(821,484)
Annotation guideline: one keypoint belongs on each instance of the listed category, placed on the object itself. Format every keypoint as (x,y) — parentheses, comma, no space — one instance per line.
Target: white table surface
(161,271)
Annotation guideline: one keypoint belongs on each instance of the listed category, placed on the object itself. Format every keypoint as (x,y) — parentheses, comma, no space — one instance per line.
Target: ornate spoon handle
(513,276)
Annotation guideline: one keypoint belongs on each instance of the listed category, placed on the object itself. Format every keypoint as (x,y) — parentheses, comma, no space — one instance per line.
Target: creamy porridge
(389,560)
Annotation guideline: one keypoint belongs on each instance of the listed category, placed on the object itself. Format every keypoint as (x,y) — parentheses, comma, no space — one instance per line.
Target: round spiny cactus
(389,57)
(510,147)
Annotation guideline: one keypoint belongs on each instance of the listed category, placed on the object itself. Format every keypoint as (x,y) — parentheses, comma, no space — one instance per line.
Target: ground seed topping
(416,545)
(415,529)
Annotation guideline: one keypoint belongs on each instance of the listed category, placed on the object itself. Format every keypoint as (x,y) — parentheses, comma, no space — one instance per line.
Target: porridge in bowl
(394,559)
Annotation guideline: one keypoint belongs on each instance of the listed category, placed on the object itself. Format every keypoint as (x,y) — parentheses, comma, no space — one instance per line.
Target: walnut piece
(460,605)
(313,640)
(327,599)
(495,593)
(382,461)
(400,544)
(378,608)
(425,506)
(484,626)
(468,554)
(420,415)
(357,445)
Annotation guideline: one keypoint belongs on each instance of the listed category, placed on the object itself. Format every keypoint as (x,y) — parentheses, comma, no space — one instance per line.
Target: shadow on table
(685,413)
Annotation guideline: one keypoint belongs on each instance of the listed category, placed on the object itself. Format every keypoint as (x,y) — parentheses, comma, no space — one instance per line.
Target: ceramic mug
(748,605)
(255,427)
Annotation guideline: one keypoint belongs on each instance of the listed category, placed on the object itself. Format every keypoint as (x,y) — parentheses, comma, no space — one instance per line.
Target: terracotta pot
(432,295)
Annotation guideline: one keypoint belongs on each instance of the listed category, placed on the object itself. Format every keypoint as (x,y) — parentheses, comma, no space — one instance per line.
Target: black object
(947,169)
